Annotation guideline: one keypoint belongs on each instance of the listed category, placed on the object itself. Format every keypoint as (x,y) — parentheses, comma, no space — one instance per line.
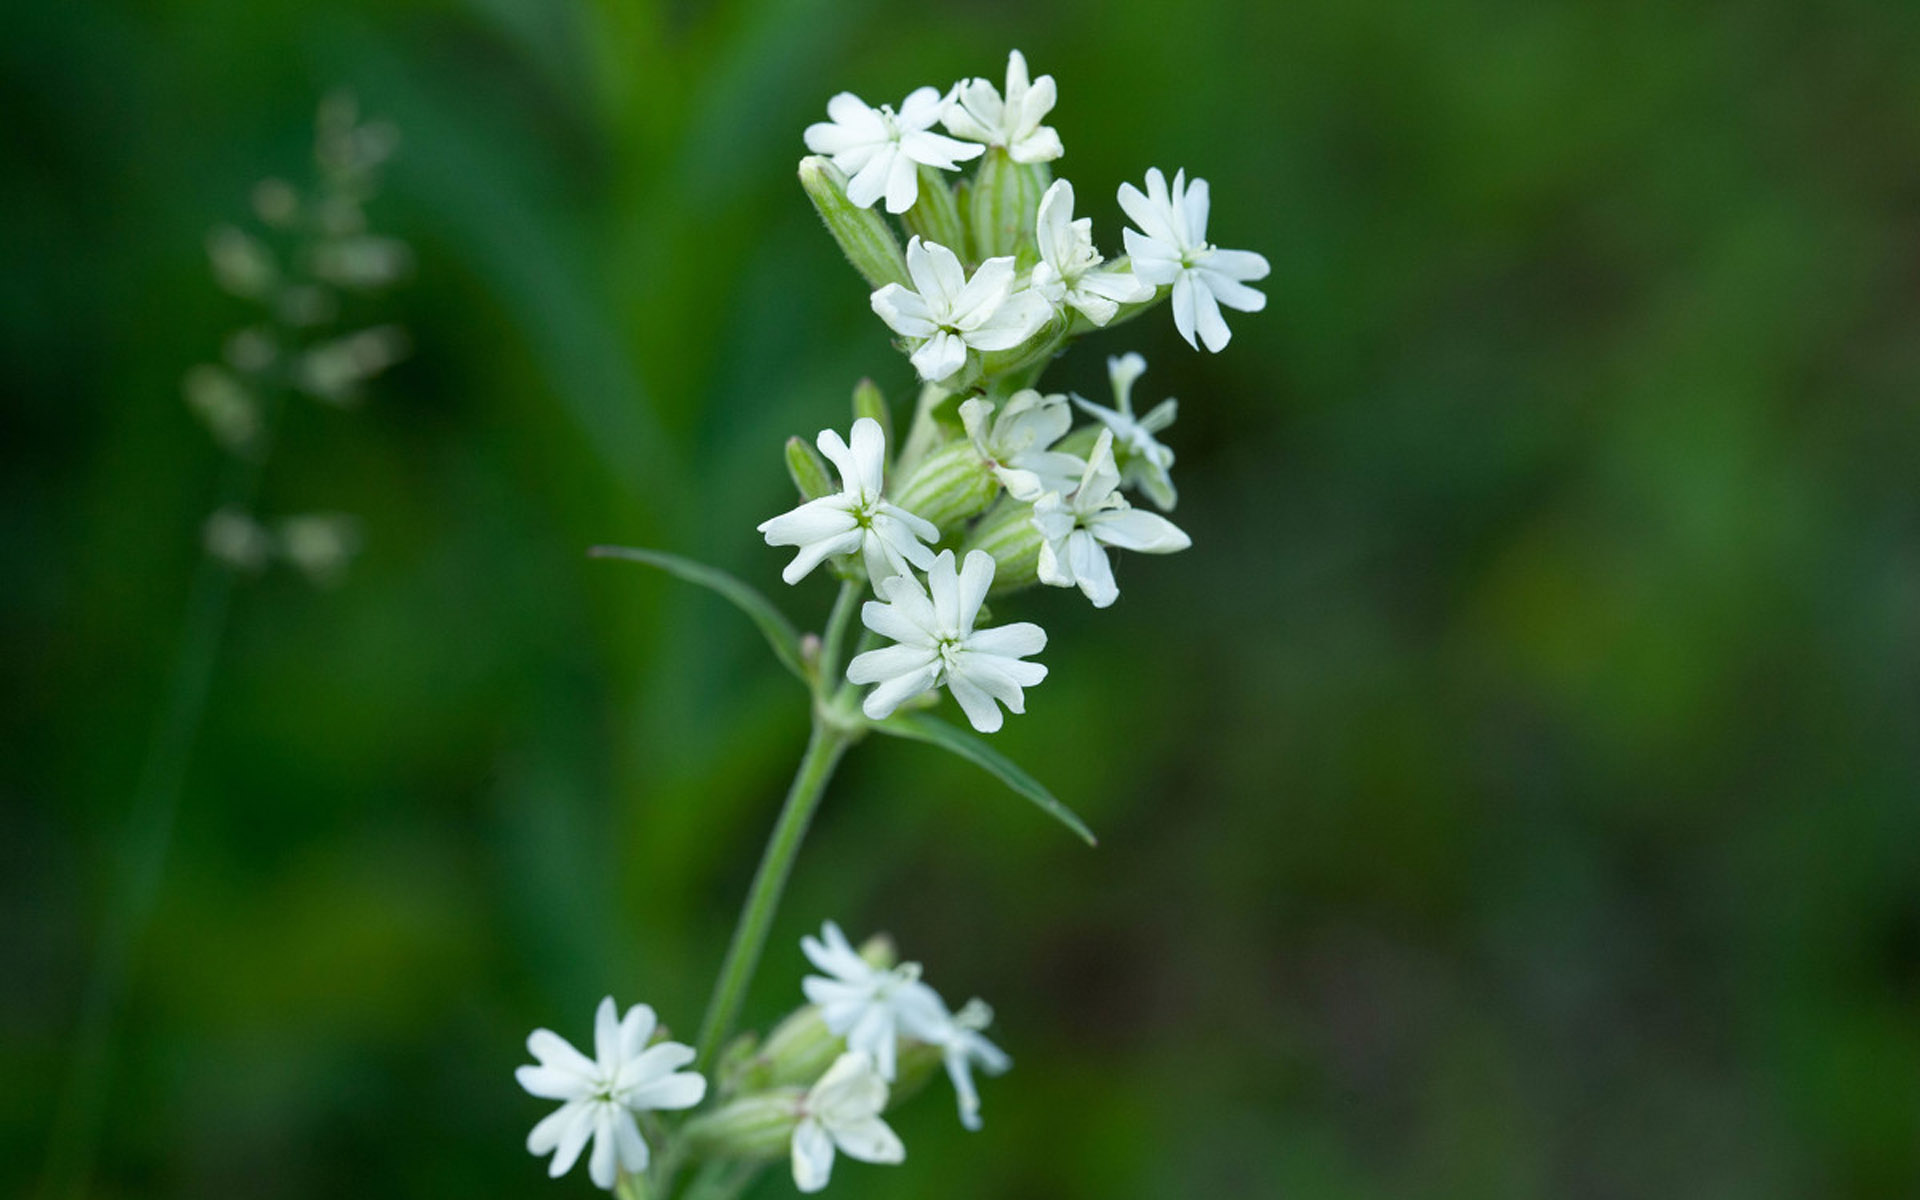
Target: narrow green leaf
(920,727)
(773,623)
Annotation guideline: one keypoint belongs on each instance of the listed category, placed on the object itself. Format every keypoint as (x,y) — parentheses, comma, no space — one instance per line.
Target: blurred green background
(1514,793)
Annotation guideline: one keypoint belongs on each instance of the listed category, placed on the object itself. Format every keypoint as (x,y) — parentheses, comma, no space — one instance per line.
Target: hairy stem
(824,748)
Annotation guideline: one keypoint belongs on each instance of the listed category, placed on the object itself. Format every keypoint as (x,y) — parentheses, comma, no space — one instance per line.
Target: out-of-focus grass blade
(773,623)
(920,727)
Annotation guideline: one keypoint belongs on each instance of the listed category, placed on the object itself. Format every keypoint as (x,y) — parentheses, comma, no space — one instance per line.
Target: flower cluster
(1016,274)
(992,488)
(818,1086)
(1013,497)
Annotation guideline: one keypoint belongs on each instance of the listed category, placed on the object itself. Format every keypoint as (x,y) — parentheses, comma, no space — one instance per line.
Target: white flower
(1079,528)
(1065,274)
(879,148)
(858,518)
(600,1095)
(962,1045)
(948,312)
(869,1006)
(843,1110)
(938,644)
(1015,444)
(1171,247)
(976,111)
(1144,462)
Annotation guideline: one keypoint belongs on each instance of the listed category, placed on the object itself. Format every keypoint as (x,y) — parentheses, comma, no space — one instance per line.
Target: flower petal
(812,1156)
(870,1140)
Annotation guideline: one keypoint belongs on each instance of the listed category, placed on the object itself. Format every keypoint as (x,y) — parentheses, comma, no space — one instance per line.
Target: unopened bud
(948,486)
(225,406)
(862,233)
(241,263)
(935,216)
(752,1127)
(868,401)
(1002,204)
(1010,536)
(798,1051)
(808,470)
(916,1064)
(1043,345)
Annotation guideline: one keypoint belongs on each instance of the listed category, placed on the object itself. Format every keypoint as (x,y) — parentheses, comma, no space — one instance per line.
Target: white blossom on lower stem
(880,149)
(888,536)
(947,313)
(1144,461)
(1171,247)
(871,1007)
(937,644)
(976,111)
(842,1111)
(1014,442)
(1077,529)
(1066,273)
(963,1046)
(600,1095)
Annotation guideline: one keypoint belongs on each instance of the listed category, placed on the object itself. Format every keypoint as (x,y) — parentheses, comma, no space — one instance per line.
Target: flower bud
(1002,204)
(868,401)
(935,216)
(863,234)
(808,470)
(1010,536)
(752,1127)
(1043,345)
(798,1051)
(916,1065)
(948,486)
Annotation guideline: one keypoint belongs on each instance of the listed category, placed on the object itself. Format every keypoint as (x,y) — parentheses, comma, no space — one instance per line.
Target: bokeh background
(1514,793)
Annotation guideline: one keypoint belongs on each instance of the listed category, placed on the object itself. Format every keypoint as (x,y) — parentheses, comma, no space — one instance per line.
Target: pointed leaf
(920,727)
(773,623)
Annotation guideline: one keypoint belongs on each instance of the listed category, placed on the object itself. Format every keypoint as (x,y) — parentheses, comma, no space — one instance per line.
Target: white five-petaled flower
(947,312)
(1066,273)
(963,1046)
(871,1007)
(1015,443)
(600,1095)
(880,149)
(843,1111)
(1143,460)
(1079,528)
(1171,247)
(938,644)
(888,536)
(977,111)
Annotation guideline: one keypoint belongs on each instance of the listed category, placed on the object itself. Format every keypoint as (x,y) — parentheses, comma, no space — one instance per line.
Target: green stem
(143,857)
(824,748)
(832,734)
(835,642)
